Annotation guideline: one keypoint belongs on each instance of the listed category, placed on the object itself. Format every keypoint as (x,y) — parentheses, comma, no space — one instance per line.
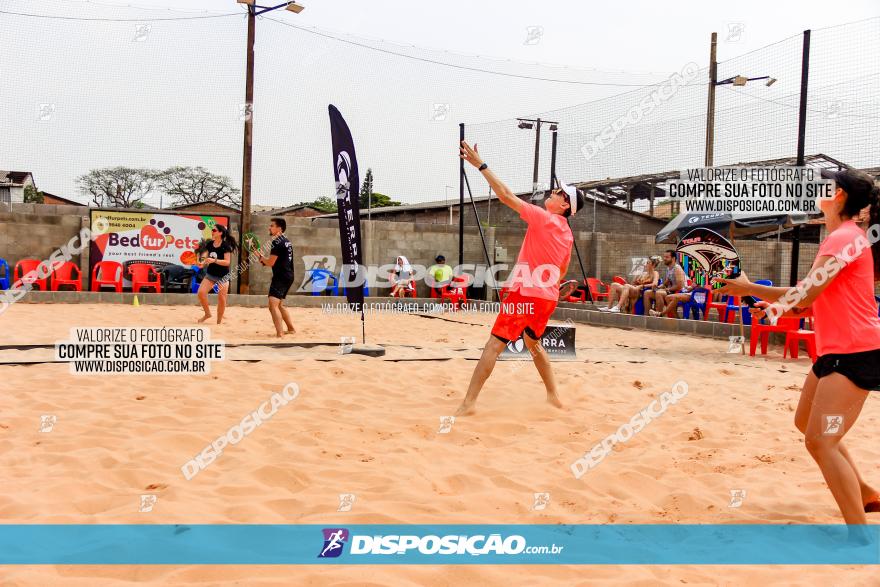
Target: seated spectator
(440,274)
(401,278)
(672,301)
(626,294)
(673,283)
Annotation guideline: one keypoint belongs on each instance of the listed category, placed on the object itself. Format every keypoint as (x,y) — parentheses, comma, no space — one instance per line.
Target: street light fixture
(254,10)
(737,80)
(741,80)
(528,124)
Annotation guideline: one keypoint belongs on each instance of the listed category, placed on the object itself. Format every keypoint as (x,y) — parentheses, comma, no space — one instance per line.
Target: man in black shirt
(280,259)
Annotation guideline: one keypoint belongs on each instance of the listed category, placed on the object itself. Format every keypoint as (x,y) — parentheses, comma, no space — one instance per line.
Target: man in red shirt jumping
(533,291)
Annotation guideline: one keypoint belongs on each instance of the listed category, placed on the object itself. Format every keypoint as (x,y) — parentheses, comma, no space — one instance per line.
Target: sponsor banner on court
(345,173)
(156,238)
(439,544)
(558,343)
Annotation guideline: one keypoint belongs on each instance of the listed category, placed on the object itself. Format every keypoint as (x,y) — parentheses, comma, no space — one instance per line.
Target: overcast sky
(79,95)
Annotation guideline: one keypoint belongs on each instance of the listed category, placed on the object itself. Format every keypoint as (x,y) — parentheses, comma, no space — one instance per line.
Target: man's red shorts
(520,314)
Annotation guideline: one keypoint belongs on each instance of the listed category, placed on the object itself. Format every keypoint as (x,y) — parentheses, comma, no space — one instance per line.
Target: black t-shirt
(217,252)
(282,270)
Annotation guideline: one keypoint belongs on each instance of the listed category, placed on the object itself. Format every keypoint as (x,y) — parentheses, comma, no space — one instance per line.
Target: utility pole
(710,110)
(244,278)
(246,161)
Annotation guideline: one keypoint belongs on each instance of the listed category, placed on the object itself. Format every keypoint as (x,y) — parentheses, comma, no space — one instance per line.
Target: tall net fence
(98,85)
(630,143)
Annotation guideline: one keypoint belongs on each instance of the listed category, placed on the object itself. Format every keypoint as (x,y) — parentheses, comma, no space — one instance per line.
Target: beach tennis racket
(714,255)
(251,242)
(566,288)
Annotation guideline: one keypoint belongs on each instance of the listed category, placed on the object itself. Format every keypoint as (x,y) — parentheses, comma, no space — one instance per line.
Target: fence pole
(460,199)
(801,146)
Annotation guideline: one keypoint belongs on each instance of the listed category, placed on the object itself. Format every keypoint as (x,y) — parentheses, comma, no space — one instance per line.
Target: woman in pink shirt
(840,291)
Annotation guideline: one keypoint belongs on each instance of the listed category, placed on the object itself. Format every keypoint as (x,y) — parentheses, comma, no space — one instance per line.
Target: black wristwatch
(482,167)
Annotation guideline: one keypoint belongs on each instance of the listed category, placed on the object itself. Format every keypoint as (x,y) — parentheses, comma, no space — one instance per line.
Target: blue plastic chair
(747,316)
(697,303)
(321,281)
(639,306)
(194,286)
(4,280)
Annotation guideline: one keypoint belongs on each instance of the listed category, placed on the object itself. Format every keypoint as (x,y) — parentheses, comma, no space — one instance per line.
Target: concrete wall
(609,219)
(36,230)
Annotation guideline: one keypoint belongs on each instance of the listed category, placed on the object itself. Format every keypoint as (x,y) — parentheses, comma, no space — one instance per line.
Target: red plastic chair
(761,332)
(107,273)
(409,292)
(620,280)
(25,266)
(792,343)
(144,276)
(722,307)
(578,296)
(596,291)
(67,274)
(455,292)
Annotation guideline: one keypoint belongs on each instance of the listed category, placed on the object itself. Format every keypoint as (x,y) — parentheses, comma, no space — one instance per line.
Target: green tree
(194,185)
(377,200)
(366,188)
(380,200)
(325,204)
(32,195)
(117,187)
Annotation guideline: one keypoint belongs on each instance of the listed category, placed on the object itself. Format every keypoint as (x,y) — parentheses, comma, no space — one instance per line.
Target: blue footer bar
(666,544)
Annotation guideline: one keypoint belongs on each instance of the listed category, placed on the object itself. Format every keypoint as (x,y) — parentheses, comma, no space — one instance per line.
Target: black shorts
(863,369)
(279,288)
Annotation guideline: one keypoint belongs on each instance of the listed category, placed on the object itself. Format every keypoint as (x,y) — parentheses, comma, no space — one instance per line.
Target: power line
(447,64)
(796,106)
(149,18)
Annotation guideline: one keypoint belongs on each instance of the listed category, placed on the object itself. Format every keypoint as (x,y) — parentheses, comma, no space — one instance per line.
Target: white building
(12,184)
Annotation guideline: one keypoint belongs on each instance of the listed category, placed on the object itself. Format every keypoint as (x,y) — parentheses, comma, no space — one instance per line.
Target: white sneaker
(615,310)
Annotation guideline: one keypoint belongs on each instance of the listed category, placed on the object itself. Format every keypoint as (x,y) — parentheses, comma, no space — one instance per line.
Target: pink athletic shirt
(846,312)
(548,242)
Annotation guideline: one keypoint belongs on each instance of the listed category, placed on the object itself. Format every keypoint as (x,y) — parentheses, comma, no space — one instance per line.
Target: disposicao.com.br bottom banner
(438,544)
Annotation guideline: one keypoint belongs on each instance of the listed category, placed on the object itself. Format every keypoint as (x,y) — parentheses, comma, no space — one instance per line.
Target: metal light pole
(528,124)
(253,11)
(449,187)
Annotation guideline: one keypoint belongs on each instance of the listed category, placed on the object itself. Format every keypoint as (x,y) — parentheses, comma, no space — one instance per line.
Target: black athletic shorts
(279,288)
(863,368)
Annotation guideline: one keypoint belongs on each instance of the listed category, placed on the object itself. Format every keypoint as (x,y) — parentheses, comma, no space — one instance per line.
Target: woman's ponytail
(228,239)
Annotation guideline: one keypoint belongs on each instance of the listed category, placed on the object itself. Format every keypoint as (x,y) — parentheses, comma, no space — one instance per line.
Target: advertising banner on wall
(157,238)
